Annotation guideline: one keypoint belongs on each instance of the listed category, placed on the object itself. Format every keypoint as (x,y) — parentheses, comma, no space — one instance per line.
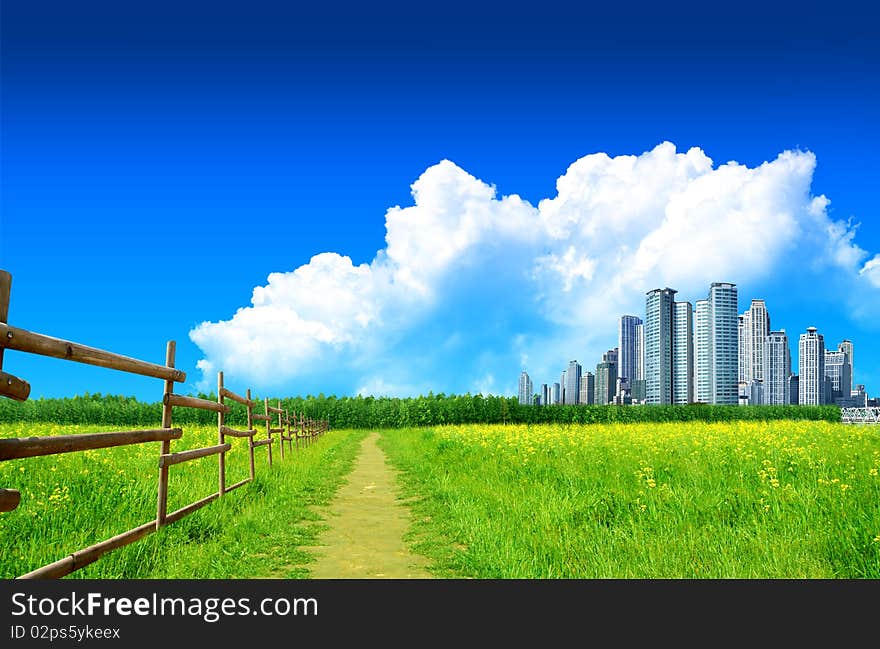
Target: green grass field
(744,499)
(683,500)
(73,500)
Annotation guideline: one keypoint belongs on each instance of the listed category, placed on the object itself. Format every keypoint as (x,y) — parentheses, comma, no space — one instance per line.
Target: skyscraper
(759,323)
(683,353)
(658,345)
(744,334)
(572,383)
(847,348)
(776,361)
(556,396)
(723,343)
(702,367)
(525,389)
(794,390)
(606,378)
(638,383)
(837,374)
(811,368)
(627,345)
(640,352)
(588,387)
(546,396)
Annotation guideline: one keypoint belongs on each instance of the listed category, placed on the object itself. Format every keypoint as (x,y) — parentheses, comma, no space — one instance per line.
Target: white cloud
(871,271)
(470,283)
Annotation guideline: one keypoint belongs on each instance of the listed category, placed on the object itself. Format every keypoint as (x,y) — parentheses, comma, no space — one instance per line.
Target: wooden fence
(288,427)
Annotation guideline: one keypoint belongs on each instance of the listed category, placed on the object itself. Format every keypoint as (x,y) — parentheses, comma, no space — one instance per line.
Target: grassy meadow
(694,499)
(72,500)
(743,499)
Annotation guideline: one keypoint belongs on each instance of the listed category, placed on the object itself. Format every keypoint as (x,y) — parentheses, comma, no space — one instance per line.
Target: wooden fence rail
(18,448)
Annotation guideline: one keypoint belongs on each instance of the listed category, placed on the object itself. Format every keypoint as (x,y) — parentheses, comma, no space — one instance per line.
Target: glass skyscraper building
(683,353)
(838,373)
(627,345)
(847,348)
(776,368)
(811,368)
(659,314)
(717,334)
(702,374)
(572,383)
(723,343)
(525,389)
(754,325)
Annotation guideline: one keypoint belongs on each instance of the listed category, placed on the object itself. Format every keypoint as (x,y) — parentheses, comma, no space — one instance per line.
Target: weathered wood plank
(226,430)
(228,394)
(194,402)
(171,459)
(19,447)
(28,341)
(14,387)
(189,509)
(90,554)
(9,499)
(238,484)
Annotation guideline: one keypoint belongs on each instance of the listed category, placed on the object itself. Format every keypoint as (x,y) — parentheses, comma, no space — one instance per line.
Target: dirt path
(367,524)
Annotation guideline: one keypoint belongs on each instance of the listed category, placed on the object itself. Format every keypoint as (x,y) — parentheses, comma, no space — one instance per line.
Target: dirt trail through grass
(367,524)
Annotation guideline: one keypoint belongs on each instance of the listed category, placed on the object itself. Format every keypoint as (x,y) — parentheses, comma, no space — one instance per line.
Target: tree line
(392,412)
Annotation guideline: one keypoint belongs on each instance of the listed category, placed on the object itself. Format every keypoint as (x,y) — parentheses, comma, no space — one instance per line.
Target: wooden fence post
(221,438)
(5,290)
(281,434)
(250,426)
(162,498)
(268,429)
(10,386)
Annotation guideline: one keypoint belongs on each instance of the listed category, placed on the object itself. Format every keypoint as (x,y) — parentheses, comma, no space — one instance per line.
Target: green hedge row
(386,412)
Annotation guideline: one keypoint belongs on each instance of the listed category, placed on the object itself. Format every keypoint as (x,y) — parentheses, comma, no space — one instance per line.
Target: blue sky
(160,163)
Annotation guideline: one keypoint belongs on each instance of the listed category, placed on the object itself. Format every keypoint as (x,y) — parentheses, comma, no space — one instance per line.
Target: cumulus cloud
(871,271)
(471,283)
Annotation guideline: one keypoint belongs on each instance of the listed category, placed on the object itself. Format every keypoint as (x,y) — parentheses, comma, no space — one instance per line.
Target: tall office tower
(525,389)
(606,377)
(640,352)
(588,387)
(759,323)
(756,392)
(612,356)
(658,345)
(545,395)
(683,353)
(556,397)
(572,383)
(702,353)
(627,345)
(776,361)
(837,375)
(723,343)
(606,382)
(562,387)
(794,390)
(811,368)
(744,330)
(847,348)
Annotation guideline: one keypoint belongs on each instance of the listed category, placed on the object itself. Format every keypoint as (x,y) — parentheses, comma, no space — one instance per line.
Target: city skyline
(355,199)
(684,355)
